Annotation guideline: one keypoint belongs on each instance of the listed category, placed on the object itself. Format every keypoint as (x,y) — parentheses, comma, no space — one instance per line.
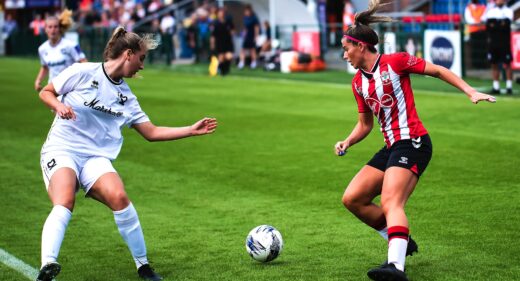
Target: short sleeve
(137,115)
(362,106)
(40,54)
(403,63)
(67,80)
(76,53)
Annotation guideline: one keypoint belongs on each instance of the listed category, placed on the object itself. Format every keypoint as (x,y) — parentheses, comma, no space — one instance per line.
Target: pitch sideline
(18,265)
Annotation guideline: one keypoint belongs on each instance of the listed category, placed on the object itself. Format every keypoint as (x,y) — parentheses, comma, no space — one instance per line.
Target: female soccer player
(382,87)
(57,53)
(86,136)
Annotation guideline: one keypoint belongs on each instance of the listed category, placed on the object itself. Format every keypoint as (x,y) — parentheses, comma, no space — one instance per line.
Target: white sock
(496,85)
(397,252)
(130,228)
(384,233)
(509,84)
(53,232)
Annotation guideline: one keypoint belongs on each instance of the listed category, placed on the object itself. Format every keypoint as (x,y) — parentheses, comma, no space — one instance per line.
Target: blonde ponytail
(122,40)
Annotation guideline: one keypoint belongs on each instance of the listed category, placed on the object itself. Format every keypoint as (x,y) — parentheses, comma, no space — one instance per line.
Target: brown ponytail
(361,31)
(123,40)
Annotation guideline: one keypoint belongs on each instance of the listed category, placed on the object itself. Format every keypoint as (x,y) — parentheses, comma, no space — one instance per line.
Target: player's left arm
(451,78)
(155,133)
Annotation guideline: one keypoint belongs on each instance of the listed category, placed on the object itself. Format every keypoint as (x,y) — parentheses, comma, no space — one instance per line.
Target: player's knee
(119,201)
(351,202)
(67,204)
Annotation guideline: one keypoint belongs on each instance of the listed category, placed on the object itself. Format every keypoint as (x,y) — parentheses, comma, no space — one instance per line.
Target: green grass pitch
(271,161)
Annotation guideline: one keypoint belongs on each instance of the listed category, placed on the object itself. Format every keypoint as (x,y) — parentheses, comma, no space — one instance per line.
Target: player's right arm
(49,97)
(44,71)
(361,130)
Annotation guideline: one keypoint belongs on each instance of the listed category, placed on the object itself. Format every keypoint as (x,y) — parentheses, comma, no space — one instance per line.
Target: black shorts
(500,55)
(411,154)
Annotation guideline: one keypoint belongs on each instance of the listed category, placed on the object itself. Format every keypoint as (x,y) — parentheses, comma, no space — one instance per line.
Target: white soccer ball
(264,243)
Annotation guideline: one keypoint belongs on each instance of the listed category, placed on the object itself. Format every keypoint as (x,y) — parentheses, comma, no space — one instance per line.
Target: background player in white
(57,53)
(382,88)
(86,137)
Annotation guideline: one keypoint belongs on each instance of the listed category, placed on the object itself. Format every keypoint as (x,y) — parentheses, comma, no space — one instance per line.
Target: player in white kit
(86,136)
(57,53)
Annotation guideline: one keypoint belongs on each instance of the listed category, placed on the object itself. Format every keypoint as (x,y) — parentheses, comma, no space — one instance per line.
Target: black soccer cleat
(147,273)
(412,247)
(494,92)
(509,91)
(49,271)
(387,272)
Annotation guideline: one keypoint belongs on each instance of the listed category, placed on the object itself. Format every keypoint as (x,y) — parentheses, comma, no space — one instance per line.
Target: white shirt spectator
(498,13)
(167,24)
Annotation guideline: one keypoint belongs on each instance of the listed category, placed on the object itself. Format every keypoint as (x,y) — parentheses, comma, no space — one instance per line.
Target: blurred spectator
(348,15)
(251,32)
(498,26)
(475,31)
(37,25)
(154,6)
(168,31)
(203,34)
(188,37)
(473,16)
(222,42)
(10,26)
(266,44)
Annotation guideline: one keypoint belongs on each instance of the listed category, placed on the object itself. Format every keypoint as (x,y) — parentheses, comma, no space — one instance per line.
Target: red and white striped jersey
(387,92)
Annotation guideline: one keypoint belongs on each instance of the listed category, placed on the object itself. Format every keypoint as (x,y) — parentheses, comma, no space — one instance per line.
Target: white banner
(444,48)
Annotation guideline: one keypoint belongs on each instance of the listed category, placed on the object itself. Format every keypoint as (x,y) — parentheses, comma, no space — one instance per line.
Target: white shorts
(88,169)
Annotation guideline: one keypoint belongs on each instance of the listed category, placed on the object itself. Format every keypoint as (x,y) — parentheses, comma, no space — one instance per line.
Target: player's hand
(65,112)
(341,148)
(477,97)
(37,86)
(204,126)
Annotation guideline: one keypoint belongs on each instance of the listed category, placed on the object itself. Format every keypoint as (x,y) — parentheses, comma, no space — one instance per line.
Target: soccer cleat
(49,271)
(509,91)
(387,272)
(412,247)
(147,273)
(494,92)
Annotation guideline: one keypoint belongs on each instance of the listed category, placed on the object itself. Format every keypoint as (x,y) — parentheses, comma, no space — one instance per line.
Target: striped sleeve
(404,63)
(362,106)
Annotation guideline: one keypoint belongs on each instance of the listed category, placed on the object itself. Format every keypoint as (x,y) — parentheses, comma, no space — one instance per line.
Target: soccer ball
(264,243)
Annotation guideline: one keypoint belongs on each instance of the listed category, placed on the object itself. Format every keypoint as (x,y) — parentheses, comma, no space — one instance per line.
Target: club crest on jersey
(385,78)
(95,84)
(122,99)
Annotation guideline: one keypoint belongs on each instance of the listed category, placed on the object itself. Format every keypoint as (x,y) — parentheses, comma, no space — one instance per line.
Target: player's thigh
(398,184)
(365,186)
(59,171)
(102,183)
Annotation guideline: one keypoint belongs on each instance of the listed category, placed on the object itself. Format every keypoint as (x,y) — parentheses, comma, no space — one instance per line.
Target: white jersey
(59,57)
(102,107)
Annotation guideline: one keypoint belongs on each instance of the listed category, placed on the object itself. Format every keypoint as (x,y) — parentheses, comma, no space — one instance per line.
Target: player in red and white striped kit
(382,89)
